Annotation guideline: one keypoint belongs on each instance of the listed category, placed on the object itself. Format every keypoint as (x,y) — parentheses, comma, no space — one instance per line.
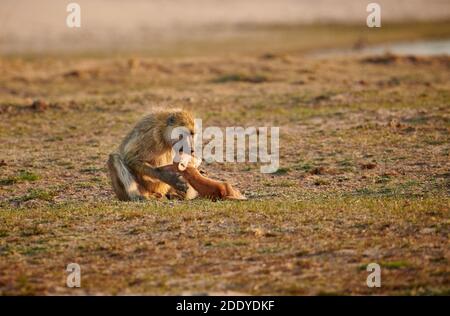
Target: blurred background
(195,26)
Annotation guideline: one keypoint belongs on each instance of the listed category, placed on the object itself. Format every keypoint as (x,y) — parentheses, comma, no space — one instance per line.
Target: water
(421,48)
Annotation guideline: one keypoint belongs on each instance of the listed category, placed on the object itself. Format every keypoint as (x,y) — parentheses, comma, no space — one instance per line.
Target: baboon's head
(179,132)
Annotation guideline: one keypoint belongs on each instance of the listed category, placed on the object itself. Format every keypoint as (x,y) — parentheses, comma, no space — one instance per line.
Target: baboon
(135,167)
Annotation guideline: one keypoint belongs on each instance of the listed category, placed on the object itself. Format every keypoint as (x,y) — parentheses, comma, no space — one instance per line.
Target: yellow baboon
(133,168)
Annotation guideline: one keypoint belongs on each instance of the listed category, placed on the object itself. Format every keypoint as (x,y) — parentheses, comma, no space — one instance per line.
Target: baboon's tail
(123,182)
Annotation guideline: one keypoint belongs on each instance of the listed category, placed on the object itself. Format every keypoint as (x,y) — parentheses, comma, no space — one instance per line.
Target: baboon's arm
(166,175)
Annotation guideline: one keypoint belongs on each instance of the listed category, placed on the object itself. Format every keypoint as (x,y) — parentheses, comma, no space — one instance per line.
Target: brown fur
(134,166)
(206,187)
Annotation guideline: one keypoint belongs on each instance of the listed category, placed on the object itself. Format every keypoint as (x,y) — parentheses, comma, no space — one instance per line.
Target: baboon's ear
(171,119)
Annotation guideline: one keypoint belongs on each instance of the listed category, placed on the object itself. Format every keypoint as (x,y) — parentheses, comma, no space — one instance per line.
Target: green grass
(395,265)
(22,176)
(240,78)
(35,194)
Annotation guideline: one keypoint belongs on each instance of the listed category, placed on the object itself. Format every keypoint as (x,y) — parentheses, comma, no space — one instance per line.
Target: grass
(157,242)
(34,194)
(240,78)
(364,170)
(23,175)
(395,265)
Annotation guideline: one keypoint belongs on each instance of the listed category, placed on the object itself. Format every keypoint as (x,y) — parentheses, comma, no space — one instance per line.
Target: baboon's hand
(172,178)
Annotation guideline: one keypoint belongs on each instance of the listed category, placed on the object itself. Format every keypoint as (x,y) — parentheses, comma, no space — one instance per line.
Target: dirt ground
(364,175)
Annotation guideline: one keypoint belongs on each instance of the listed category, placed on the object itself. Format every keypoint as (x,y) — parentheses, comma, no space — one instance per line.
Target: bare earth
(364,173)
